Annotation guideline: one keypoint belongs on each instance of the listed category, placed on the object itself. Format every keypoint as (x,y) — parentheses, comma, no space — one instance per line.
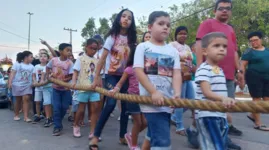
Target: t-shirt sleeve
(139,56)
(203,29)
(15,67)
(49,65)
(71,70)
(77,65)
(128,70)
(247,55)
(177,60)
(109,43)
(202,74)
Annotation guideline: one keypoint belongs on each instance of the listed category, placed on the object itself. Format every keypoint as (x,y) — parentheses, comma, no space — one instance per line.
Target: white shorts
(46,95)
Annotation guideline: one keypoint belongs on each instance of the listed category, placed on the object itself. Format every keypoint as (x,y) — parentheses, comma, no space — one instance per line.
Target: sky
(51,16)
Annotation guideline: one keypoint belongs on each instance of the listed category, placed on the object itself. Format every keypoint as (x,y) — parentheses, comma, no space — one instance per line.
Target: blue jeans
(61,100)
(110,82)
(158,130)
(187,91)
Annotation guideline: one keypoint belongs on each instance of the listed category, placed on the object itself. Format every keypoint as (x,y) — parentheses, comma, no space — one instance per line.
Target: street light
(29,31)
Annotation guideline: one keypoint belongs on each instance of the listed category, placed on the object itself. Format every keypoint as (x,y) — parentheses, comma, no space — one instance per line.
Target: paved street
(23,136)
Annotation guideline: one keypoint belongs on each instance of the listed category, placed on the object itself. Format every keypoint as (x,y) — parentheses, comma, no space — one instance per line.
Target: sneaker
(135,148)
(16,118)
(47,123)
(56,132)
(192,138)
(76,132)
(70,119)
(112,115)
(128,139)
(36,120)
(233,146)
(234,131)
(42,116)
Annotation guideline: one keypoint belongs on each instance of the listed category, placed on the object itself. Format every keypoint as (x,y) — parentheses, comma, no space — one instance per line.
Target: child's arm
(74,78)
(48,72)
(99,67)
(49,47)
(68,78)
(12,75)
(34,78)
(177,83)
(208,93)
(118,86)
(43,77)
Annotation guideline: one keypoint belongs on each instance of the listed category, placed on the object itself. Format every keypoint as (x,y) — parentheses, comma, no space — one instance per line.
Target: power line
(13,46)
(16,35)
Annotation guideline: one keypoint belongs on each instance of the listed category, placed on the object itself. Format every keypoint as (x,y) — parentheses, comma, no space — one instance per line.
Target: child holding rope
(84,73)
(21,83)
(115,55)
(132,108)
(211,84)
(60,68)
(157,67)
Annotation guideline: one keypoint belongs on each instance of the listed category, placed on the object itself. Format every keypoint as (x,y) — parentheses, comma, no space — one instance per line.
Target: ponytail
(22,55)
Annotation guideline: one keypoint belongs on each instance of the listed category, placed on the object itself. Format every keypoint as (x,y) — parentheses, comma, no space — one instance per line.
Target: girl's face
(91,49)
(147,37)
(126,19)
(29,58)
(42,51)
(160,29)
(43,58)
(182,36)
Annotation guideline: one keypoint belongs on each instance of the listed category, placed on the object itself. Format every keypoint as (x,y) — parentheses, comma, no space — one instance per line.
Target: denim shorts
(212,133)
(45,95)
(132,108)
(75,104)
(158,130)
(86,97)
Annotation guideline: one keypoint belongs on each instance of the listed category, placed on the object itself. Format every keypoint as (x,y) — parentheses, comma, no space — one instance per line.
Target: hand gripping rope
(240,106)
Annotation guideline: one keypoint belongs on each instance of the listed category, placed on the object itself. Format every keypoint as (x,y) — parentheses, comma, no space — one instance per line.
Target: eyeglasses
(224,8)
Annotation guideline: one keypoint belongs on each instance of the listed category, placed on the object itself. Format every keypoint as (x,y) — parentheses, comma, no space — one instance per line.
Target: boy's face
(91,49)
(66,52)
(216,50)
(160,29)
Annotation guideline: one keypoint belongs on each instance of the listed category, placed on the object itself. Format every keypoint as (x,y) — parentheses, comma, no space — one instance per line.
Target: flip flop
(251,119)
(93,146)
(261,128)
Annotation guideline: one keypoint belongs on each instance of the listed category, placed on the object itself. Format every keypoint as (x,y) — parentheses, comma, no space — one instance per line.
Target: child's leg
(144,122)
(137,126)
(159,130)
(47,96)
(37,105)
(66,98)
(94,115)
(26,99)
(37,99)
(18,105)
(56,94)
(80,111)
(146,145)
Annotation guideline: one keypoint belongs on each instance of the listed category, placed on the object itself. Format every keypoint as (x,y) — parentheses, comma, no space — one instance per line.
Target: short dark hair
(90,41)
(156,14)
(256,33)
(98,38)
(222,1)
(180,28)
(207,39)
(63,46)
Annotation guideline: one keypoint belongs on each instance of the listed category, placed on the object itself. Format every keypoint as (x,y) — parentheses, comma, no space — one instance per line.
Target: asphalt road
(23,136)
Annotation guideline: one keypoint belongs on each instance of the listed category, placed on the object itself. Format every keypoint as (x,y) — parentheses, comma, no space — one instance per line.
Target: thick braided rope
(246,106)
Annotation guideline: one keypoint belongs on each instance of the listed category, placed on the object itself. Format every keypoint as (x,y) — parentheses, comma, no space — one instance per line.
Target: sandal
(181,132)
(93,147)
(122,141)
(28,120)
(16,118)
(261,128)
(251,119)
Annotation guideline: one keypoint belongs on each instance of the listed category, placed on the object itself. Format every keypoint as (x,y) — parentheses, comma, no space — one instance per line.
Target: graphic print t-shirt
(60,70)
(215,77)
(86,66)
(118,54)
(133,82)
(49,85)
(98,56)
(23,75)
(38,73)
(158,63)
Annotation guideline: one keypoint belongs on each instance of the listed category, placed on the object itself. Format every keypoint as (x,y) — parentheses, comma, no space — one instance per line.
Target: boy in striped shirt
(211,85)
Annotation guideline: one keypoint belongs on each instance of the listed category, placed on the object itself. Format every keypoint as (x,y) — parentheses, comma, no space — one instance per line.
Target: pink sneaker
(128,139)
(76,132)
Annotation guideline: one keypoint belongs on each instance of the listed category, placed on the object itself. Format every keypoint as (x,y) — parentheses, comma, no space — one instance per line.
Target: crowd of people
(205,70)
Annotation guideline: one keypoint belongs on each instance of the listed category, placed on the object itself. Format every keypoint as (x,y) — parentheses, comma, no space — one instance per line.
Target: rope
(246,106)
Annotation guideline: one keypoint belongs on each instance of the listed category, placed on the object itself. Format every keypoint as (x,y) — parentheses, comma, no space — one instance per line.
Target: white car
(3,92)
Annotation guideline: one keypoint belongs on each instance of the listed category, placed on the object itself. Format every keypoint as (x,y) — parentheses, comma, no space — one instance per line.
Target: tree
(112,18)
(104,27)
(89,30)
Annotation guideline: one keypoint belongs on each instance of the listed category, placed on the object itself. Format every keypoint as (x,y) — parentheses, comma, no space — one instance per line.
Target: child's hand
(9,85)
(96,82)
(43,42)
(157,98)
(228,102)
(114,91)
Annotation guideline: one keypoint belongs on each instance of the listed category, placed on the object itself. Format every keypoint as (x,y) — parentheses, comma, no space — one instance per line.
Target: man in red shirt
(230,64)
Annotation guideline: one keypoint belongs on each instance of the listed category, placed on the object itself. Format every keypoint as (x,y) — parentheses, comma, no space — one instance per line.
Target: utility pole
(70,30)
(29,30)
